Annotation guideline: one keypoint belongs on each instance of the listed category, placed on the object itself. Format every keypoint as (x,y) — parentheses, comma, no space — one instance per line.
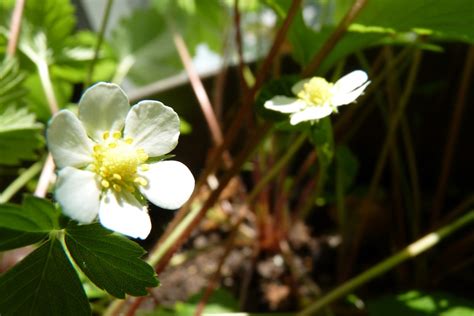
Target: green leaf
(220,302)
(148,57)
(111,261)
(20,136)
(36,99)
(322,137)
(417,303)
(12,239)
(54,18)
(198,22)
(35,215)
(450,19)
(26,224)
(11,79)
(44,283)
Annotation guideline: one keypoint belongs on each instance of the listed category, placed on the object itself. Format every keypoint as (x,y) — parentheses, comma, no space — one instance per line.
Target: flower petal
(297,87)
(153,126)
(78,194)
(350,82)
(124,214)
(284,104)
(170,184)
(103,107)
(310,114)
(346,98)
(68,141)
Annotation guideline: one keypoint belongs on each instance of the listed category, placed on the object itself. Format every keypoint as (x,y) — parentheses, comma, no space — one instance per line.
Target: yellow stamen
(117,135)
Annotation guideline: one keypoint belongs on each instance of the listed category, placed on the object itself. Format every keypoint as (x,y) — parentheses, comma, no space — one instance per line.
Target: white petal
(124,214)
(297,87)
(78,194)
(170,184)
(346,98)
(310,114)
(153,127)
(103,107)
(284,104)
(67,141)
(350,82)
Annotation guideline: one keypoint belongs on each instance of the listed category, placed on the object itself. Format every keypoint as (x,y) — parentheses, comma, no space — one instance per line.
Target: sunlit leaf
(11,79)
(220,302)
(44,283)
(54,18)
(451,19)
(111,261)
(20,136)
(149,56)
(417,303)
(199,22)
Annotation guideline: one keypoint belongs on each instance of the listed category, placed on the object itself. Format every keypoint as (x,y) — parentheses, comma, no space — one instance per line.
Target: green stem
(100,38)
(409,252)
(278,166)
(21,181)
(156,256)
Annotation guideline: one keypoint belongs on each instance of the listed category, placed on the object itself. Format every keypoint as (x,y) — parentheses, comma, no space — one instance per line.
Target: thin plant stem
(409,252)
(248,99)
(331,42)
(21,181)
(240,160)
(453,135)
(100,38)
(231,134)
(197,86)
(394,122)
(392,128)
(271,174)
(276,168)
(15,27)
(156,256)
(413,176)
(239,46)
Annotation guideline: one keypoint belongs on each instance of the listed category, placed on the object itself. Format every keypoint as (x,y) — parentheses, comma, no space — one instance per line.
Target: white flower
(103,160)
(317,98)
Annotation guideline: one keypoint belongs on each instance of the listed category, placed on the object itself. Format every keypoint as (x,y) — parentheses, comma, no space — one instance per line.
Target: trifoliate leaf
(20,136)
(26,224)
(111,262)
(44,283)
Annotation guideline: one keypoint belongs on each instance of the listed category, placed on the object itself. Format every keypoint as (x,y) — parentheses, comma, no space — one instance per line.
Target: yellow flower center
(317,91)
(116,162)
